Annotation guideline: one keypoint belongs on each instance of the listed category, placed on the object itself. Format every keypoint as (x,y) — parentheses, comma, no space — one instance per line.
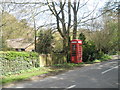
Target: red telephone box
(76,51)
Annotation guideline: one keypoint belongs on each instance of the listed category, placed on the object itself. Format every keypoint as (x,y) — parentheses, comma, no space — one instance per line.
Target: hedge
(12,62)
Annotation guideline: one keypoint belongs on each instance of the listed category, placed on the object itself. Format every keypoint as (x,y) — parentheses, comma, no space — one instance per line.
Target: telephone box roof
(76,41)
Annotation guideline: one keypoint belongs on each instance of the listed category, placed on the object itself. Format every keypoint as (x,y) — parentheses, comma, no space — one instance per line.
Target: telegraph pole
(34,32)
(34,25)
(118,26)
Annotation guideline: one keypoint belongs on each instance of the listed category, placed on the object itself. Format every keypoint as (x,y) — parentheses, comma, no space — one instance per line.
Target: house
(20,44)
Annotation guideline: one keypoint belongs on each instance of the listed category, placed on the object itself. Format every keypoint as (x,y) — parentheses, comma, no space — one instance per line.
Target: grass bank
(25,75)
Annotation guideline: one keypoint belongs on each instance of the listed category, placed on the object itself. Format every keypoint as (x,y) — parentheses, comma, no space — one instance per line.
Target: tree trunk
(66,48)
(75,21)
(75,26)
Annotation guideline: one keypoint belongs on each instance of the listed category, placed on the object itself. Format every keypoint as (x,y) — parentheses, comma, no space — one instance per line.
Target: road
(99,75)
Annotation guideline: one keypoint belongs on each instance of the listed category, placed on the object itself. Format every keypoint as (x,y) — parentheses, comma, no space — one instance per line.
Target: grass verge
(103,58)
(37,72)
(24,75)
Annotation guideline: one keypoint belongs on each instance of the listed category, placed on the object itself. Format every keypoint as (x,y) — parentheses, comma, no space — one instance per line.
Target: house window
(22,49)
(16,49)
(33,50)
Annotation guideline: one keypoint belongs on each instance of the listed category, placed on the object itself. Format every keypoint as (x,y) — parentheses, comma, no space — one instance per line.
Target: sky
(25,12)
(90,6)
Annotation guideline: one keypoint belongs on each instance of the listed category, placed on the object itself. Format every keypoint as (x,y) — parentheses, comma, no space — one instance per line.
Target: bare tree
(66,13)
(75,8)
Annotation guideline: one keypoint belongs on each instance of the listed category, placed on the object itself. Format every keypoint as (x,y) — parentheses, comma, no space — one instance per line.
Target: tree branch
(78,5)
(91,12)
(97,16)
(63,18)
(83,5)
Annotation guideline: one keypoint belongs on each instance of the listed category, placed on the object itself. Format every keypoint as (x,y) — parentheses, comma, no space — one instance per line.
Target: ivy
(13,62)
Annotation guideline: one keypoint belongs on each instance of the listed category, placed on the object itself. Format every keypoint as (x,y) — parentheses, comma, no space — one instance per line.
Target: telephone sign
(74,42)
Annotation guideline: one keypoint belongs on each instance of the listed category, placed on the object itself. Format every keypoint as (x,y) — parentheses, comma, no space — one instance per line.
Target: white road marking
(109,69)
(19,87)
(70,87)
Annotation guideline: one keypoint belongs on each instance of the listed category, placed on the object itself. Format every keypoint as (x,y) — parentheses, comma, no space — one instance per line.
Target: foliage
(106,39)
(67,65)
(58,45)
(103,58)
(14,62)
(25,74)
(13,28)
(45,40)
(90,52)
(82,37)
(96,61)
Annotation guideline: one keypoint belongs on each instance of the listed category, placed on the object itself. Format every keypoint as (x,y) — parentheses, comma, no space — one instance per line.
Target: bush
(67,65)
(13,62)
(45,40)
(105,57)
(90,52)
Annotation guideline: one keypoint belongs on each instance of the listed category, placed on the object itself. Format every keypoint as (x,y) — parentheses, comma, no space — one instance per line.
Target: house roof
(18,43)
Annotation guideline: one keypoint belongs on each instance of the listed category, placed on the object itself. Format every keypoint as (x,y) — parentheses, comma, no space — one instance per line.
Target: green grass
(97,61)
(103,58)
(67,65)
(37,71)
(24,75)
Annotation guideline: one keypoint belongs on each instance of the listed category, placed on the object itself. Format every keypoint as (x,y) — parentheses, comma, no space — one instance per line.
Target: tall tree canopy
(106,39)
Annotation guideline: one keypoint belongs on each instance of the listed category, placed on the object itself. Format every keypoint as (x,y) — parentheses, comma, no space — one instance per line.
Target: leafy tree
(82,37)
(106,39)
(111,25)
(13,28)
(90,52)
(45,40)
(57,45)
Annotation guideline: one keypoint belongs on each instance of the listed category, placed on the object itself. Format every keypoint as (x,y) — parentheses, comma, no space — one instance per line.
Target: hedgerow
(13,62)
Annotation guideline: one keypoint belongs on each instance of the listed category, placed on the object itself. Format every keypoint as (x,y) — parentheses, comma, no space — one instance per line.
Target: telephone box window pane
(73,47)
(73,50)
